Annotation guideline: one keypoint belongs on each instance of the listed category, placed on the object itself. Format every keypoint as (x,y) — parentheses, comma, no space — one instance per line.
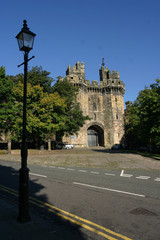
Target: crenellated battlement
(108,79)
(106,74)
(77,72)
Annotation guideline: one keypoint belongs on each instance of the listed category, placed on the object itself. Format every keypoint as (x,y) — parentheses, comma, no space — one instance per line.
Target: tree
(7,107)
(37,76)
(6,102)
(2,72)
(73,112)
(45,110)
(143,116)
(45,113)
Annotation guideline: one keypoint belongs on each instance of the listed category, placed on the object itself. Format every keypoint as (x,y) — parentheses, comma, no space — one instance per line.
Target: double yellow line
(84,223)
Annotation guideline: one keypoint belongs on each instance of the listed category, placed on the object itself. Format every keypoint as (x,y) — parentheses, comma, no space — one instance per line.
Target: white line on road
(95,172)
(38,175)
(143,177)
(82,170)
(110,174)
(125,175)
(109,189)
(157,179)
(122,174)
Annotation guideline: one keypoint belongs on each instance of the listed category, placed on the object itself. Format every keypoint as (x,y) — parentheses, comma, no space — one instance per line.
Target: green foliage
(2,72)
(43,110)
(6,85)
(143,116)
(7,107)
(67,90)
(37,76)
(42,106)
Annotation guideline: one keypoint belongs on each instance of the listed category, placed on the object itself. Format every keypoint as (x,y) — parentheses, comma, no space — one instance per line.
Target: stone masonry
(103,103)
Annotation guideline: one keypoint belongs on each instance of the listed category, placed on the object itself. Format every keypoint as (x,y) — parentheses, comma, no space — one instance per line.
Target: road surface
(104,204)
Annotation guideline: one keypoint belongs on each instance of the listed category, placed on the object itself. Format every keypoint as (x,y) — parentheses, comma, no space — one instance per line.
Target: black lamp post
(25,40)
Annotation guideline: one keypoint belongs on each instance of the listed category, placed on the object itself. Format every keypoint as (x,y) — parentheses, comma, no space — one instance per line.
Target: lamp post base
(23,215)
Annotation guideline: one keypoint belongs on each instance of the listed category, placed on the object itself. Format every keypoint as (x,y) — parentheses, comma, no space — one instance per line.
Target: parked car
(68,146)
(116,147)
(57,145)
(143,149)
(156,149)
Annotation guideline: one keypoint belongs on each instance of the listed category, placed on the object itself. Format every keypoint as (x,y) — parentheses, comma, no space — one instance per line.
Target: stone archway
(95,136)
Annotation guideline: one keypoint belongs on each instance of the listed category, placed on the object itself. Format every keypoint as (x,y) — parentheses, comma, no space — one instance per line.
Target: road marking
(122,174)
(61,168)
(95,172)
(38,175)
(109,189)
(157,179)
(82,170)
(110,174)
(9,190)
(125,175)
(143,177)
(59,212)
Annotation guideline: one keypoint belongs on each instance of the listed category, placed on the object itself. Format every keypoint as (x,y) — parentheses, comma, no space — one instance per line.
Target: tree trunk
(49,145)
(9,147)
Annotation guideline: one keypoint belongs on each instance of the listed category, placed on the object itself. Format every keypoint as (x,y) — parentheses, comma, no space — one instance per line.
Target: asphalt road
(125,202)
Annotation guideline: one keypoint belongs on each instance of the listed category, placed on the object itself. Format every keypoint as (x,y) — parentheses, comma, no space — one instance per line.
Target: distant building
(103,103)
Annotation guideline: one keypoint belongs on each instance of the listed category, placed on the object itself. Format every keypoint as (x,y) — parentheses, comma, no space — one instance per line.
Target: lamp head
(25,38)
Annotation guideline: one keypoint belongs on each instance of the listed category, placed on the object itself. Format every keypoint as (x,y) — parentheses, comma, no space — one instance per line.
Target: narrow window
(94,107)
(109,137)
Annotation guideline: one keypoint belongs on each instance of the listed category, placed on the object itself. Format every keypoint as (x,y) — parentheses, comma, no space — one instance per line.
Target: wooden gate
(92,138)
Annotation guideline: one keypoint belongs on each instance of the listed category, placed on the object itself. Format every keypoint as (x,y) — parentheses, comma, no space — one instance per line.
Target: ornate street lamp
(25,40)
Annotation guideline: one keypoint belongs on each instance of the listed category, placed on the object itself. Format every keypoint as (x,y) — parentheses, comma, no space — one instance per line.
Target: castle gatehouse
(103,103)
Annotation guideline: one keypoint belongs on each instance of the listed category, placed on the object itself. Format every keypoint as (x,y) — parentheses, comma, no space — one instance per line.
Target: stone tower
(104,104)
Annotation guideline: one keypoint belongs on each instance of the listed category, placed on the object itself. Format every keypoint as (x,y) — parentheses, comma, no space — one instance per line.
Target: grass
(89,158)
(146,154)
(3,151)
(151,155)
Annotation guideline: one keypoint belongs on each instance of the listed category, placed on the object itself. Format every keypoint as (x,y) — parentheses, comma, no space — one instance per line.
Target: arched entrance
(95,136)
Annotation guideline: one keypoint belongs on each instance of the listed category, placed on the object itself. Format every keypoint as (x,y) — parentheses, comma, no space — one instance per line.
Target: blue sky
(125,32)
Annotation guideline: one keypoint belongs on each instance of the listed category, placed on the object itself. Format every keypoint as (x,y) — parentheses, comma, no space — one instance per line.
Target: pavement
(38,228)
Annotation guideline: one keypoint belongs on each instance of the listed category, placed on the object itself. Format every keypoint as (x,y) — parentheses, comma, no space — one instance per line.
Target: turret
(106,74)
(77,71)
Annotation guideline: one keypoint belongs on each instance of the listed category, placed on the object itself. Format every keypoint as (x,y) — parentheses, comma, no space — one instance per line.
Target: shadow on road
(9,178)
(104,150)
(123,151)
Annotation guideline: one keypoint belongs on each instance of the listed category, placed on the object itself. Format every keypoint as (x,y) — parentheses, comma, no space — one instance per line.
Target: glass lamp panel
(20,41)
(28,40)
